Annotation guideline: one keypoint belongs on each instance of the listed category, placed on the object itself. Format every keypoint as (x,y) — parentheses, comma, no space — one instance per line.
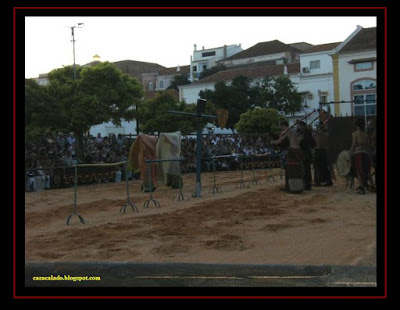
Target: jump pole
(75,209)
(200,107)
(128,200)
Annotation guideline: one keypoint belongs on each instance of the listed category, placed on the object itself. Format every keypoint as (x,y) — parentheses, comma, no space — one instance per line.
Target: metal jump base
(128,201)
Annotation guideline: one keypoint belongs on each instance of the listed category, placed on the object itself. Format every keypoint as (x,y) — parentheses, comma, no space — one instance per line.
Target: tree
(100,93)
(237,98)
(155,117)
(259,120)
(178,80)
(39,117)
(212,70)
(280,94)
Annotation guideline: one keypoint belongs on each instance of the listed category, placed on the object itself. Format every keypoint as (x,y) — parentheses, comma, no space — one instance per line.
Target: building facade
(337,77)
(265,53)
(316,76)
(354,67)
(190,93)
(207,58)
(167,75)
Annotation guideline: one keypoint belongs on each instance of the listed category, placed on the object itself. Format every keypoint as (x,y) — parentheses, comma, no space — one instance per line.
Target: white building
(316,76)
(354,68)
(271,52)
(190,93)
(109,129)
(167,75)
(257,62)
(43,79)
(207,58)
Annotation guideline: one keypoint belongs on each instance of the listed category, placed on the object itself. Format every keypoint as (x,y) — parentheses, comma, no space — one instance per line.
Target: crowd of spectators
(221,152)
(45,156)
(60,150)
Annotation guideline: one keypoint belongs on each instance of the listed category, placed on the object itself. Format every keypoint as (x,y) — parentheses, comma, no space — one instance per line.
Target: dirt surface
(254,224)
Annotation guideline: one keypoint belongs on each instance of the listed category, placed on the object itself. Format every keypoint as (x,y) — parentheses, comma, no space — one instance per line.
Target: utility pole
(75,210)
(73,47)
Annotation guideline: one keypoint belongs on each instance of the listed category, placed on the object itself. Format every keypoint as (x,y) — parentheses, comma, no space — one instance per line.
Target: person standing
(360,153)
(307,144)
(322,174)
(294,174)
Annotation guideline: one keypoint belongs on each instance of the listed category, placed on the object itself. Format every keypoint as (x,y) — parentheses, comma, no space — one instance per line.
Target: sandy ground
(256,224)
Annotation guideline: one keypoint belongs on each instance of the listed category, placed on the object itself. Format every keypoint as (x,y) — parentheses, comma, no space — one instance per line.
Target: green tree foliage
(208,110)
(99,94)
(178,80)
(39,116)
(212,70)
(154,116)
(237,98)
(277,93)
(106,94)
(280,94)
(259,121)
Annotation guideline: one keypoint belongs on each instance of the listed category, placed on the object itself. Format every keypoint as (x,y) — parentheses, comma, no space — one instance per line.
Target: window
(194,68)
(364,84)
(364,105)
(323,101)
(151,86)
(315,64)
(366,65)
(364,97)
(161,84)
(207,54)
(280,61)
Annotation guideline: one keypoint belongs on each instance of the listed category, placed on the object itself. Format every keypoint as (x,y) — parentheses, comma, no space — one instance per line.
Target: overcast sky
(168,41)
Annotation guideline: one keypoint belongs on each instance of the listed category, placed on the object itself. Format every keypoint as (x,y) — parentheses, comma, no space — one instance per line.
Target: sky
(167,40)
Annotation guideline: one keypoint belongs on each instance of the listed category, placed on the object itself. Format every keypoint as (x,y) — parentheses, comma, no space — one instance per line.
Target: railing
(64,176)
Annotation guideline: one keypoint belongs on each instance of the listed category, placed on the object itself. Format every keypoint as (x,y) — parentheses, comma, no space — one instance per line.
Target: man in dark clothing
(307,145)
(322,174)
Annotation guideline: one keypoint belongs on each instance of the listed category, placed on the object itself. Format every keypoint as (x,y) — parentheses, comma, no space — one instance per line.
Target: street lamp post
(73,46)
(75,208)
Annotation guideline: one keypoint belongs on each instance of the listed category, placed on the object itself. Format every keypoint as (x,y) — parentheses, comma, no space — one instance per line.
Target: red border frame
(200,297)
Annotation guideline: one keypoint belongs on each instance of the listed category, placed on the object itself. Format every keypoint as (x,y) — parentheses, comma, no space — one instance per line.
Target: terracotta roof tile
(301,45)
(252,72)
(264,48)
(136,68)
(321,48)
(364,40)
(172,70)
